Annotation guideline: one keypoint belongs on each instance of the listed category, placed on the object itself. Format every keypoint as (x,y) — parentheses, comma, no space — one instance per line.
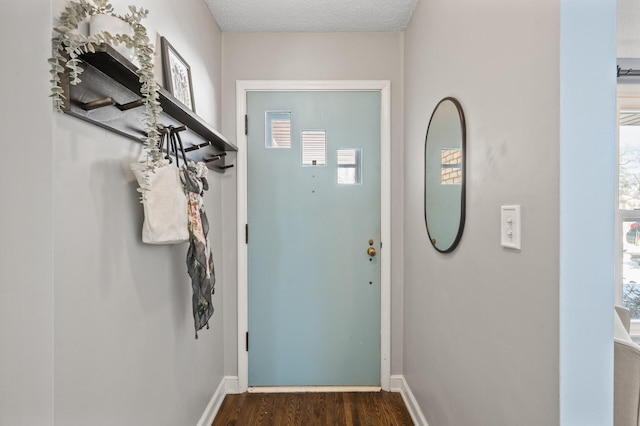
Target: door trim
(384,87)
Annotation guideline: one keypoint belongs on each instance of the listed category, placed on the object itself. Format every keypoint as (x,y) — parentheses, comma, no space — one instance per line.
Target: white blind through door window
(278,129)
(314,145)
(349,166)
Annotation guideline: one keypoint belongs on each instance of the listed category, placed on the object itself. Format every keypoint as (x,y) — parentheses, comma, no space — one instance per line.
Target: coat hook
(221,168)
(99,103)
(196,147)
(130,105)
(170,129)
(215,157)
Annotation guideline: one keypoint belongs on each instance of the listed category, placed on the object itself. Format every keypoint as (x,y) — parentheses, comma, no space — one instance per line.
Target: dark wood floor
(311,409)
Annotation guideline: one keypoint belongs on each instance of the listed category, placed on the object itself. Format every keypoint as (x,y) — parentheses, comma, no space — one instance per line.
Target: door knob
(371,251)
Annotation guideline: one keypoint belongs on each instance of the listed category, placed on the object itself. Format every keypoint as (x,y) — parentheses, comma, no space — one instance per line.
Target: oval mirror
(444,176)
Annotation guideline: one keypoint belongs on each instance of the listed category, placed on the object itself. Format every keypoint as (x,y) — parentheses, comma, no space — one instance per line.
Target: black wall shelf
(109,96)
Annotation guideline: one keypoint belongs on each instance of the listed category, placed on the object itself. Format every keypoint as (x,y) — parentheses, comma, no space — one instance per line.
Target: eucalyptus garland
(68,45)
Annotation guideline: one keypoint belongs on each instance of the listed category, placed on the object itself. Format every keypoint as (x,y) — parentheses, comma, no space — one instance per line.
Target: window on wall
(628,224)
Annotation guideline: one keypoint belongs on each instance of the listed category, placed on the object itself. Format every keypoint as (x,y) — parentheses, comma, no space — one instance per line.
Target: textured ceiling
(311,15)
(628,30)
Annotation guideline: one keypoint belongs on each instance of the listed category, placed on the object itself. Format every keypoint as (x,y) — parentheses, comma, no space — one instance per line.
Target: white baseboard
(231,384)
(227,385)
(395,382)
(399,384)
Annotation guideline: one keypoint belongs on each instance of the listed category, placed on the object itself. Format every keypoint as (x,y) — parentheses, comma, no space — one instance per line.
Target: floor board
(311,409)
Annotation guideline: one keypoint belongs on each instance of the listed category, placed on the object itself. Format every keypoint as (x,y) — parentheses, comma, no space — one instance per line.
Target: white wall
(125,351)
(483,325)
(26,228)
(318,56)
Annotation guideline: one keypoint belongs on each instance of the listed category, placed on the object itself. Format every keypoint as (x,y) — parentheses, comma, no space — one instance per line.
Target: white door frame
(384,87)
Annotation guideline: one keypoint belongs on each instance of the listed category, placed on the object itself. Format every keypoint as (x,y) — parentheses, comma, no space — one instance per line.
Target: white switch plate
(510,226)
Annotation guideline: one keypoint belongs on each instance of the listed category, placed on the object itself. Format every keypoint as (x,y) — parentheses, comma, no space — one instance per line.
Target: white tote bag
(165,205)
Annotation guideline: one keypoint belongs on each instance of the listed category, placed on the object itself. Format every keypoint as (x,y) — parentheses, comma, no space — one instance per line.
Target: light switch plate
(510,227)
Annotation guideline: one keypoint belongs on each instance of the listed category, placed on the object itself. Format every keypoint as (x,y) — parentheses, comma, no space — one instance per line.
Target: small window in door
(314,146)
(277,129)
(349,166)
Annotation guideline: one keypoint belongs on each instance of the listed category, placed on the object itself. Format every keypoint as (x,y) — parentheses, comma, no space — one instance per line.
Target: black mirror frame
(463,186)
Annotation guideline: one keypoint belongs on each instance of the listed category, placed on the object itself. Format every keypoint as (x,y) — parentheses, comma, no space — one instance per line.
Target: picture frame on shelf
(177,75)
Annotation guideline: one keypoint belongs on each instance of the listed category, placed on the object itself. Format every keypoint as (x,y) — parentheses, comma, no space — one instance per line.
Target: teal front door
(314,238)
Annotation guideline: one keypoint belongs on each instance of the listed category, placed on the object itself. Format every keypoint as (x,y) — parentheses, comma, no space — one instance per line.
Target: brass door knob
(371,251)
